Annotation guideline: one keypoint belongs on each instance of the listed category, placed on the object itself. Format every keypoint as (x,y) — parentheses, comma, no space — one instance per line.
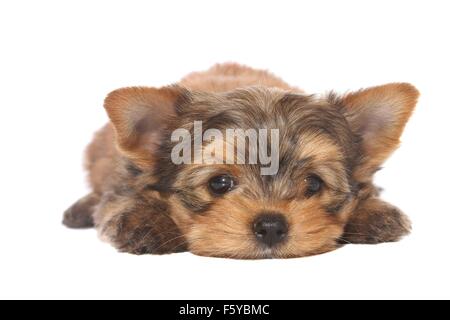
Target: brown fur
(143,203)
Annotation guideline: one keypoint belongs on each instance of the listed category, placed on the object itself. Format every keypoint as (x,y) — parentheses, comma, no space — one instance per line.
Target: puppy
(320,197)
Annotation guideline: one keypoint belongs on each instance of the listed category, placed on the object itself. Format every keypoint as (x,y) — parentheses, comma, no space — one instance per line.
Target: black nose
(270,228)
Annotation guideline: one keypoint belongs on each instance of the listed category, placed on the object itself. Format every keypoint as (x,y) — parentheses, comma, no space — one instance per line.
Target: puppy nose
(270,228)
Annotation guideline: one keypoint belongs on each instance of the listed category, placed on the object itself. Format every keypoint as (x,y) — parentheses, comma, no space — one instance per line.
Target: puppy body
(141,202)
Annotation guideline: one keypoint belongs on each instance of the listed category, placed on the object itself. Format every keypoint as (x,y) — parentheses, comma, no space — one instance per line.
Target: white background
(58,60)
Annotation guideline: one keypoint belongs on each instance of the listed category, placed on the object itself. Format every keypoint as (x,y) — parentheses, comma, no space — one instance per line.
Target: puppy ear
(139,116)
(378,115)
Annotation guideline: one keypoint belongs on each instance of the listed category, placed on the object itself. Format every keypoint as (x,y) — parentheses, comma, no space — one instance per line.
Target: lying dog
(320,197)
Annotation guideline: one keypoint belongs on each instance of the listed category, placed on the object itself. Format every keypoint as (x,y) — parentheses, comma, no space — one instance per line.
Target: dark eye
(221,184)
(313,185)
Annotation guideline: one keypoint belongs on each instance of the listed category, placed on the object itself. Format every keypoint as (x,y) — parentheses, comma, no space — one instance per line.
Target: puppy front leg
(375,221)
(138,226)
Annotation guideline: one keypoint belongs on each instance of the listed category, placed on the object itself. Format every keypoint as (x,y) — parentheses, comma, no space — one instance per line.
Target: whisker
(168,241)
(357,234)
(342,239)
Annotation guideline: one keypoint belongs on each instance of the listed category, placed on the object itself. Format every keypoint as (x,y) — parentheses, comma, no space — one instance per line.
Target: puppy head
(327,148)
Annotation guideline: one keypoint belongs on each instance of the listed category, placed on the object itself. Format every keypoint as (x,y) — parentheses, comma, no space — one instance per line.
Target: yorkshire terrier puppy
(319,196)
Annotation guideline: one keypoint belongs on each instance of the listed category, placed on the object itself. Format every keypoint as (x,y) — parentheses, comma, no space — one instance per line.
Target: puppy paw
(376,221)
(140,228)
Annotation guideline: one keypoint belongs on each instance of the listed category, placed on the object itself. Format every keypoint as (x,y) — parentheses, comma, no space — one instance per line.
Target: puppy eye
(221,184)
(313,185)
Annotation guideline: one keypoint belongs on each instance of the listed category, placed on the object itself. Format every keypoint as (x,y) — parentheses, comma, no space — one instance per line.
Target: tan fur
(100,158)
(226,77)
